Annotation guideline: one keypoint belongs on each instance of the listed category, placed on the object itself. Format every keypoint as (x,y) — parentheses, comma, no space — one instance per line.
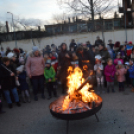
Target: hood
(32,55)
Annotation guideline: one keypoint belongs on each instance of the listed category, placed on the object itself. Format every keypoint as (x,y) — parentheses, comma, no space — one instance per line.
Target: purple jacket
(109,73)
(116,61)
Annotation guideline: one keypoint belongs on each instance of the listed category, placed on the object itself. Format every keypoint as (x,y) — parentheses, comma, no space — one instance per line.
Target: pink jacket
(109,73)
(121,74)
(35,65)
(116,61)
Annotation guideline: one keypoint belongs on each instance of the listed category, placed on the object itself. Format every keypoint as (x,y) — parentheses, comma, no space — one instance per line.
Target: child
(118,58)
(98,68)
(121,71)
(131,73)
(122,52)
(49,74)
(132,54)
(7,76)
(23,83)
(75,61)
(109,74)
(128,80)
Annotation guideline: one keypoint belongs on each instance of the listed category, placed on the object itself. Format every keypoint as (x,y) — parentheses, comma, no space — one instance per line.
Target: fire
(75,79)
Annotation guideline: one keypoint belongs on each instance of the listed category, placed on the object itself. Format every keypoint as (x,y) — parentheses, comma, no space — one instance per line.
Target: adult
(89,45)
(110,44)
(64,61)
(2,52)
(8,50)
(103,52)
(8,84)
(86,60)
(35,70)
(73,45)
(98,41)
(116,49)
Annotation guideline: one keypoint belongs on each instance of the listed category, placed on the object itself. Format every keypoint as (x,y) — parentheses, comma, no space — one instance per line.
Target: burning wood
(79,98)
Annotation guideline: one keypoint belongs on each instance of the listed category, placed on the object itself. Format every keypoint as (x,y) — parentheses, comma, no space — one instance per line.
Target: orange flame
(74,81)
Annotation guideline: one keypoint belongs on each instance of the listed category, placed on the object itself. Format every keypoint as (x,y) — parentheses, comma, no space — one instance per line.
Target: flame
(75,79)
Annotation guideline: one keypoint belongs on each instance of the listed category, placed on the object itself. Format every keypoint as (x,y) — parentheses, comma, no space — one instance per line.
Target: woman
(35,69)
(64,61)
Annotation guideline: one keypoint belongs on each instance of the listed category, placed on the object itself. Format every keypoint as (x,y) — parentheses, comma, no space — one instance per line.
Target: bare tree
(89,8)
(59,18)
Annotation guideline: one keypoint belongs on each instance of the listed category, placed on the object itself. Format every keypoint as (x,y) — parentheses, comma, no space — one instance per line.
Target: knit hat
(117,44)
(35,48)
(10,55)
(48,61)
(130,42)
(127,63)
(20,68)
(98,57)
(119,63)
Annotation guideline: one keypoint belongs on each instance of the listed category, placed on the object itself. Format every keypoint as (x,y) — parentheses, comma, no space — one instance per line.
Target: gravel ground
(116,117)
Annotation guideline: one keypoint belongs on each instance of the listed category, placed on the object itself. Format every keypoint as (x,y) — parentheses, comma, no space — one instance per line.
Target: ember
(80,98)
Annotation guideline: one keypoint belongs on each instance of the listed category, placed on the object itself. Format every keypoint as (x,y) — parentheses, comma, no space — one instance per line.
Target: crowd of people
(47,67)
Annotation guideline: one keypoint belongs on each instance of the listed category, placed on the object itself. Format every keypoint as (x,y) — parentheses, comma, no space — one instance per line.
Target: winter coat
(105,55)
(98,68)
(129,50)
(54,63)
(7,81)
(121,74)
(109,73)
(116,61)
(64,63)
(123,54)
(131,71)
(73,46)
(35,65)
(22,80)
(132,56)
(98,42)
(49,73)
(111,46)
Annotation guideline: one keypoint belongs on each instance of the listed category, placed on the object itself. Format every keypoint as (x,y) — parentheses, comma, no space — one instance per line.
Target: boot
(10,105)
(28,99)
(18,104)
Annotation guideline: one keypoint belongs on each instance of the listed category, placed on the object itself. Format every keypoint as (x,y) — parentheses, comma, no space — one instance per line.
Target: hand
(30,76)
(67,56)
(12,74)
(49,80)
(116,73)
(16,78)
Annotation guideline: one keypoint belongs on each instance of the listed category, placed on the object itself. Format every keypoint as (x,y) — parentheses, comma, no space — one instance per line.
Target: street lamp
(13,29)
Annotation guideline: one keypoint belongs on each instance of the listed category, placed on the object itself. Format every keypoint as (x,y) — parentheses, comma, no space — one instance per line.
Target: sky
(29,9)
(34,11)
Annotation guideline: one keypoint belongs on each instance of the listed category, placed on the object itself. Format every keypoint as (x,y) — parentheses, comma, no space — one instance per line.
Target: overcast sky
(29,9)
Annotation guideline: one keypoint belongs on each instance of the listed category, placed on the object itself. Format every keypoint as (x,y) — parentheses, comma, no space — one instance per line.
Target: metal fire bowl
(76,116)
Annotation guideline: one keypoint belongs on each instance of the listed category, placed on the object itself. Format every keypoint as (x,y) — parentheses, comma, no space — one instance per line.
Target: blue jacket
(131,71)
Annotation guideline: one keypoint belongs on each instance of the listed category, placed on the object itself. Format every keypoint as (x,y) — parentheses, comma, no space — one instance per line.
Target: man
(98,41)
(110,44)
(2,52)
(73,45)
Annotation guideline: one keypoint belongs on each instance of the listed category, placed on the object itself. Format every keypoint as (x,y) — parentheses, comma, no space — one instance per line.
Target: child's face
(131,62)
(47,65)
(123,48)
(73,55)
(110,62)
(97,61)
(120,66)
(118,56)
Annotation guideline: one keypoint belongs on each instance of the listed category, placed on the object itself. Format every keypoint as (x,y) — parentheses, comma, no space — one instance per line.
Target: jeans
(38,84)
(15,95)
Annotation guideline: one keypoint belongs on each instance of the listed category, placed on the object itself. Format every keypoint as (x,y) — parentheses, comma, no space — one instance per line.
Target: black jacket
(73,45)
(98,42)
(7,81)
